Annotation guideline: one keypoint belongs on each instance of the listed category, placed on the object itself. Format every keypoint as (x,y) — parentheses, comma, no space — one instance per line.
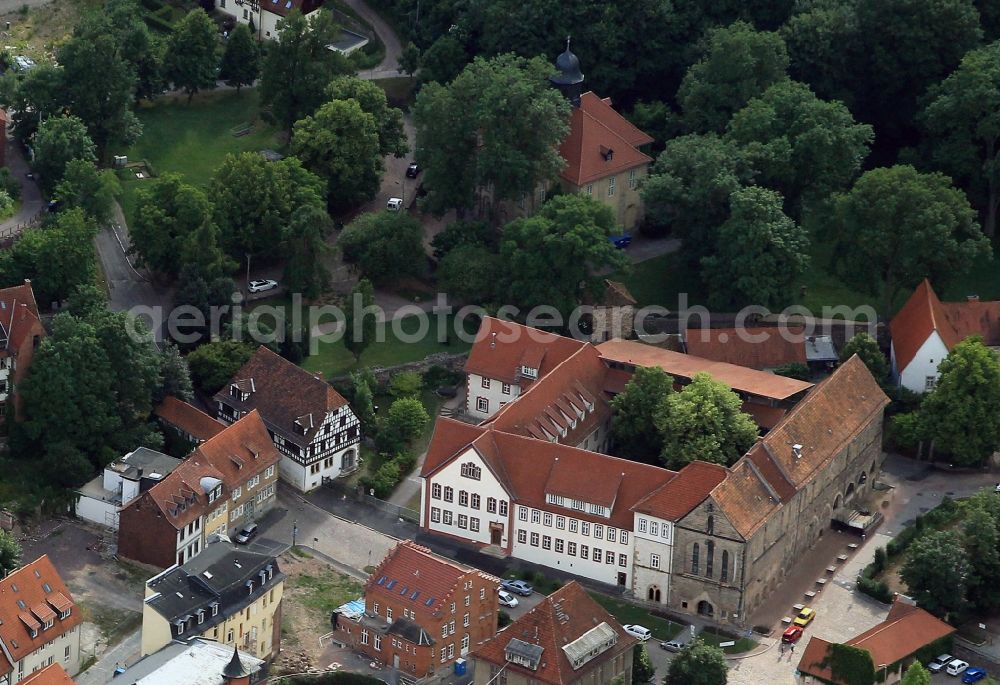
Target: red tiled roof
(906,630)
(501,356)
(765,416)
(678,496)
(417,569)
(19,314)
(920,316)
(739,378)
(235,454)
(745,497)
(188,418)
(31,594)
(733,346)
(448,438)
(561,618)
(286,395)
(553,406)
(825,421)
(596,128)
(53,674)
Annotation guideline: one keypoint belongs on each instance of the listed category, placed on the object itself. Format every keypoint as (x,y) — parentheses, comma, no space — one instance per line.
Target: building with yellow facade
(226,594)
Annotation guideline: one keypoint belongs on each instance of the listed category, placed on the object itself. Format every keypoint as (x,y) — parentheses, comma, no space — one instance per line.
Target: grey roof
(198,662)
(819,348)
(410,631)
(219,575)
(150,461)
(235,668)
(524,652)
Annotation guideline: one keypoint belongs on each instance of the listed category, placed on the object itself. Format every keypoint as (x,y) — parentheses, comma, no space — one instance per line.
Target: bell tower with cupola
(569,79)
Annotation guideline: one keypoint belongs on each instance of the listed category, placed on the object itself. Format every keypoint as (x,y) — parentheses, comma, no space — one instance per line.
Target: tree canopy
(739,64)
(704,421)
(567,240)
(761,252)
(59,141)
(192,58)
(465,129)
(960,413)
(866,347)
(240,65)
(633,426)
(936,572)
(898,226)
(298,66)
(386,246)
(698,664)
(340,144)
(371,98)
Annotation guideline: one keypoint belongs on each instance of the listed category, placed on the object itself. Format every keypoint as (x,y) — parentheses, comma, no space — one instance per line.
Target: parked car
(413,170)
(637,631)
(247,533)
(394,204)
(805,617)
(973,675)
(939,663)
(671,646)
(518,587)
(956,667)
(22,63)
(621,241)
(791,634)
(507,599)
(262,285)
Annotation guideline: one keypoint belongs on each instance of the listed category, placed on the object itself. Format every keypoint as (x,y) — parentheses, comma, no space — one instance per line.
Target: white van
(394,204)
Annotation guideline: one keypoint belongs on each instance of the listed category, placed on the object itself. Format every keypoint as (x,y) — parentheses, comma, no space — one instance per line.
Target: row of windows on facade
(570,548)
(633,183)
(483,405)
(467,499)
(709,561)
(504,387)
(464,521)
(655,528)
(447,651)
(584,527)
(578,504)
(43,664)
(181,625)
(412,615)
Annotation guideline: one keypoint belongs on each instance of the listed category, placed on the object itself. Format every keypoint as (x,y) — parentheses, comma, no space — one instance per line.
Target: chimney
(138,472)
(493,341)
(972,298)
(797,451)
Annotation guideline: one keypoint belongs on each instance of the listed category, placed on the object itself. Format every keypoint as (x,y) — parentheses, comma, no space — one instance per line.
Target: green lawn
(661,628)
(192,139)
(743,644)
(333,359)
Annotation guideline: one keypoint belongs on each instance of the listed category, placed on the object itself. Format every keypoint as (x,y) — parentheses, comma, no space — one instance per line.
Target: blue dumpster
(460,667)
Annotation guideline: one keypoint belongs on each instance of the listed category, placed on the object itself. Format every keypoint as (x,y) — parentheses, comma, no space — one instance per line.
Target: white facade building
(653,555)
(485,396)
(921,373)
(467,500)
(123,480)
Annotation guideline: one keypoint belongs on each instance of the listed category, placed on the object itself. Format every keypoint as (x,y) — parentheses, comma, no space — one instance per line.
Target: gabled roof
(419,576)
(913,324)
(547,409)
(906,630)
(560,619)
(502,347)
(745,498)
(595,129)
(825,421)
(19,318)
(449,437)
(732,346)
(188,418)
(685,366)
(28,597)
(234,455)
(924,314)
(53,674)
(678,496)
(292,401)
(220,574)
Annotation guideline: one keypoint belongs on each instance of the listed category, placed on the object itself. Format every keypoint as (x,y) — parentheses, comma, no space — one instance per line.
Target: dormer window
(34,633)
(250,586)
(607,153)
(215,608)
(179,626)
(529,372)
(201,616)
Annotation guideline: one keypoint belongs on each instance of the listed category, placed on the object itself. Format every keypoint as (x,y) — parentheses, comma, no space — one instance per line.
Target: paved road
(125,653)
(128,288)
(389,66)
(31,195)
